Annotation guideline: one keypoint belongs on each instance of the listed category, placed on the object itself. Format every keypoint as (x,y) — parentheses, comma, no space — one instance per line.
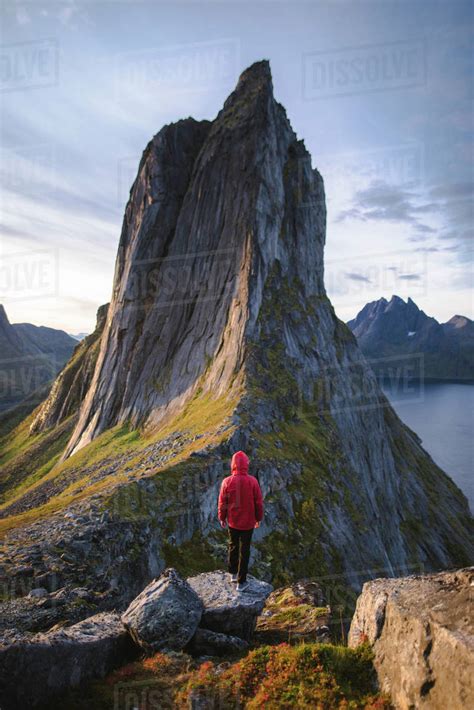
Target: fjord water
(442,414)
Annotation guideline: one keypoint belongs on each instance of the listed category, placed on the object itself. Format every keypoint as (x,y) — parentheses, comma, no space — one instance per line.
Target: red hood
(240,463)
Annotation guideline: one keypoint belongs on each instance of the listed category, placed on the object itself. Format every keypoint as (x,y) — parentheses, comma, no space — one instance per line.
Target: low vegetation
(307,675)
(201,423)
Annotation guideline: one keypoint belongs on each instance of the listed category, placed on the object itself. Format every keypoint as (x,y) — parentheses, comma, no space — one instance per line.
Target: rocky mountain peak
(458,321)
(254,83)
(400,329)
(258,73)
(215,209)
(10,342)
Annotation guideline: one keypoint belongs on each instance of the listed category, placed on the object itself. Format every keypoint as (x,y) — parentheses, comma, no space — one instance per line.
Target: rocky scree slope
(220,336)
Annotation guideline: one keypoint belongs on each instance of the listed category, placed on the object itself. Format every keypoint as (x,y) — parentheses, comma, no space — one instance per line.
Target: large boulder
(36,667)
(422,632)
(165,615)
(226,610)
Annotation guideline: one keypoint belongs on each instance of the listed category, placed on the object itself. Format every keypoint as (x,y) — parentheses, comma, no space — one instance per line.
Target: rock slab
(165,615)
(36,667)
(421,629)
(226,610)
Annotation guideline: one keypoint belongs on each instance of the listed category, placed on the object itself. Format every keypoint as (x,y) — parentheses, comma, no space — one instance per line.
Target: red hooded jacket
(240,499)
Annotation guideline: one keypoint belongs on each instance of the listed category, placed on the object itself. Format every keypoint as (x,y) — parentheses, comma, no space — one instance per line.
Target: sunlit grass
(203,415)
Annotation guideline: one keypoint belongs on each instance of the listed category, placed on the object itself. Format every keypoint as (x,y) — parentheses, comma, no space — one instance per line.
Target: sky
(381,92)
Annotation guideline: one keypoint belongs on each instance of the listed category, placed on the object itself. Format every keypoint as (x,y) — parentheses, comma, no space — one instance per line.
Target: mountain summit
(219,337)
(390,329)
(217,210)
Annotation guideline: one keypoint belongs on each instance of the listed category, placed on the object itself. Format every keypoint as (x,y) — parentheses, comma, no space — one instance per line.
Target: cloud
(22,16)
(450,207)
(456,205)
(409,277)
(357,277)
(381,201)
(425,228)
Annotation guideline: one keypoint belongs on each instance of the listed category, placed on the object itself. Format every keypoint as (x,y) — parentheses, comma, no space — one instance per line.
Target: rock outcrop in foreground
(36,667)
(172,614)
(422,631)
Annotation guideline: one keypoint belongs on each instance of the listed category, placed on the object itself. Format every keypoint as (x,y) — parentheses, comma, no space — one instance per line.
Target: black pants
(239,552)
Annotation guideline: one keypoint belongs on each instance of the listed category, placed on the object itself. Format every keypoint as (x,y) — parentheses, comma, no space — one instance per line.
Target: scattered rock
(38,593)
(210,643)
(48,579)
(422,633)
(165,615)
(226,610)
(35,667)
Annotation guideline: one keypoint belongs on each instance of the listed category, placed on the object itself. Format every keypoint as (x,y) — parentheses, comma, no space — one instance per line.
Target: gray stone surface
(211,643)
(35,667)
(165,615)
(38,593)
(422,631)
(226,610)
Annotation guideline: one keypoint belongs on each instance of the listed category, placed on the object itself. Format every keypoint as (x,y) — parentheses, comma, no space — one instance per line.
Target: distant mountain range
(30,356)
(397,334)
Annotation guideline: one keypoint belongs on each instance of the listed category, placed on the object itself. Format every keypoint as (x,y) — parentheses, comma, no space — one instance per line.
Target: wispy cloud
(357,277)
(381,201)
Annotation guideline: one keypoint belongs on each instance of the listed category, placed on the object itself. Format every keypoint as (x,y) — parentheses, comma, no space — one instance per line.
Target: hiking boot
(242,586)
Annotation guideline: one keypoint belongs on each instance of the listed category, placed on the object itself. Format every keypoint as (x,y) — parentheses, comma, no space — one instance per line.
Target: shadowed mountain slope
(394,332)
(30,357)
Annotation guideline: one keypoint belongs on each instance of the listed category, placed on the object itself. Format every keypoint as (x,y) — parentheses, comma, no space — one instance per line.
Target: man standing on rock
(241,507)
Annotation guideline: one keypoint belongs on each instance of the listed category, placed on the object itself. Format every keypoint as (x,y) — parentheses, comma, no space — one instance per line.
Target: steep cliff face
(71,385)
(213,208)
(220,336)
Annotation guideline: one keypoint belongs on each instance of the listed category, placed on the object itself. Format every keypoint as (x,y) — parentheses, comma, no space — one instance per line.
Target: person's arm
(223,504)
(258,501)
